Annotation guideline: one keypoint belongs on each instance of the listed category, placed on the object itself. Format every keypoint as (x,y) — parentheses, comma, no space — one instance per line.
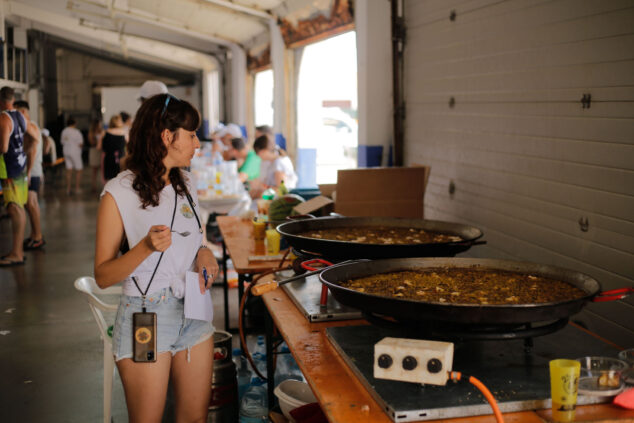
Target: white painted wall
(374,67)
(125,98)
(527,160)
(78,75)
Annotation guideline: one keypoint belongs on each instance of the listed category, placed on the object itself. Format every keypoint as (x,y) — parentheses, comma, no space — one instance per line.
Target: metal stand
(270,372)
(225,285)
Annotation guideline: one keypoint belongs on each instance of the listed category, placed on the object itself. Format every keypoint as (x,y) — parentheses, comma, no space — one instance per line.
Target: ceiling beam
(149,50)
(262,14)
(183,77)
(139,15)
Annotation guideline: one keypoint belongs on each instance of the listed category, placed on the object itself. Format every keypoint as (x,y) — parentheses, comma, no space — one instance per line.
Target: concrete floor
(51,365)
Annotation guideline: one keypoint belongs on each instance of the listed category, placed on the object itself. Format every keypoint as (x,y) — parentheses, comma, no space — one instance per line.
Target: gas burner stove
(519,379)
(306,292)
(447,331)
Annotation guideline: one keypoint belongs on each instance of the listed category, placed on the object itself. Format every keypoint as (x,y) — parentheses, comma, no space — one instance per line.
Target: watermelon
(283,206)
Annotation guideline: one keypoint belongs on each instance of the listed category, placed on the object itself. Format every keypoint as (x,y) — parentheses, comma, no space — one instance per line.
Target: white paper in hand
(197,306)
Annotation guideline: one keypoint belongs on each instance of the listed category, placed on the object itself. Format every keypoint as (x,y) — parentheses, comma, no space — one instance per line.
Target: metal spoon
(186,233)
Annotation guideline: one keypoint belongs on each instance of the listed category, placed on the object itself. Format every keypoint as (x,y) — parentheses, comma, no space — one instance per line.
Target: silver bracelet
(204,246)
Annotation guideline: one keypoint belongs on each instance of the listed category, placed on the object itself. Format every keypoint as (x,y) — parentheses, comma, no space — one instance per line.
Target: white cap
(232,129)
(216,129)
(151,88)
(45,132)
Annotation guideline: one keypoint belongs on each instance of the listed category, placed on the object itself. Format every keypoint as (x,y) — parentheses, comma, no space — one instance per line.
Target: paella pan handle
(612,295)
(263,288)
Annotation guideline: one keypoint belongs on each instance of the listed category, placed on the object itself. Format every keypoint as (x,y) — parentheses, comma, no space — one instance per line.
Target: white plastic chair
(87,286)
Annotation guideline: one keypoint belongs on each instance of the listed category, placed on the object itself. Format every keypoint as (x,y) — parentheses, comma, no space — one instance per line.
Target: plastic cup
(272,242)
(564,382)
(259,229)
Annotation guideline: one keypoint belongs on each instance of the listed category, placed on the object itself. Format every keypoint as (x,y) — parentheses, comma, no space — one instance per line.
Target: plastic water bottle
(243,372)
(286,367)
(259,356)
(254,404)
(216,159)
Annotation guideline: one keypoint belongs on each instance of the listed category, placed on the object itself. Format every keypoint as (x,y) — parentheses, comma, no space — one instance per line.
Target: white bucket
(293,394)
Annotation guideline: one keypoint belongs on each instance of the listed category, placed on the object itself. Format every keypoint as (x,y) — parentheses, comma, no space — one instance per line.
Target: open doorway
(263,98)
(327,105)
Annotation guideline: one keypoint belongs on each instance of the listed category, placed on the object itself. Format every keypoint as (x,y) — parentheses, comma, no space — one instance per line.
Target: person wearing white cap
(225,135)
(151,88)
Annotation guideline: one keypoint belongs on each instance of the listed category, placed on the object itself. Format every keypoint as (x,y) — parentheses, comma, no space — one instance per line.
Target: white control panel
(413,360)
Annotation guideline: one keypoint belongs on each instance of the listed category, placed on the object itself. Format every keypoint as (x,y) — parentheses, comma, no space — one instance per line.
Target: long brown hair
(146,150)
(96,127)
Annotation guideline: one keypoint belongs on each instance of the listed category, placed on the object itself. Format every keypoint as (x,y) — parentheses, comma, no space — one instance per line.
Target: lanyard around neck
(143,294)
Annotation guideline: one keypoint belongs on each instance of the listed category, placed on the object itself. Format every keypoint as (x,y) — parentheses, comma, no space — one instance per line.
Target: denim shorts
(174,332)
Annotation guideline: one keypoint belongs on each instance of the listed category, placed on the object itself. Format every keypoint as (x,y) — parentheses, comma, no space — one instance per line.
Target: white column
(3,6)
(374,63)
(279,79)
(33,97)
(210,100)
(238,85)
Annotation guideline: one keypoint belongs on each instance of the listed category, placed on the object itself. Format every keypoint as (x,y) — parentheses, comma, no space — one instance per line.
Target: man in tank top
(34,172)
(13,176)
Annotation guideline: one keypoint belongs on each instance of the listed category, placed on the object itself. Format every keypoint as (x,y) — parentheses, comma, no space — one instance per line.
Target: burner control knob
(434,365)
(409,363)
(385,361)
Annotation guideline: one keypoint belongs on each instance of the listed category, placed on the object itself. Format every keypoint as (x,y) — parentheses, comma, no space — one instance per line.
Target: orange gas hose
(485,391)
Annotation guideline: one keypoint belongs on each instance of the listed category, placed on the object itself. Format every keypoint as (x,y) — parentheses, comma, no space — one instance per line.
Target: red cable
(485,391)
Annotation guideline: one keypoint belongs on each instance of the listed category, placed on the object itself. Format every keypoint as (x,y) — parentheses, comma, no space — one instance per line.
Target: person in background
(248,161)
(49,147)
(95,135)
(35,172)
(225,135)
(126,121)
(72,141)
(151,88)
(113,147)
(263,130)
(140,205)
(275,167)
(13,176)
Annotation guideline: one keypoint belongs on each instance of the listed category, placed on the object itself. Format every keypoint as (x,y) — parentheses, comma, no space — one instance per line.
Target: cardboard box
(385,192)
(320,204)
(327,190)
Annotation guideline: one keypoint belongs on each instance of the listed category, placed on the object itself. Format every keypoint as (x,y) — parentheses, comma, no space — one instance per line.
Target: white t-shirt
(180,256)
(72,141)
(281,164)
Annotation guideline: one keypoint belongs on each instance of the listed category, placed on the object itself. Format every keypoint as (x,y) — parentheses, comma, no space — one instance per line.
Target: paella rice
(387,235)
(466,286)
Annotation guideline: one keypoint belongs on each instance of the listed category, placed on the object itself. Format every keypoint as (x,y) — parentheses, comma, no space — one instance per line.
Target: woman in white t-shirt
(275,167)
(72,141)
(152,208)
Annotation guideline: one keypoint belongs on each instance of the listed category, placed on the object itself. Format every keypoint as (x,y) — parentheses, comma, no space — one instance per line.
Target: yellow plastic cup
(564,382)
(259,229)
(272,242)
